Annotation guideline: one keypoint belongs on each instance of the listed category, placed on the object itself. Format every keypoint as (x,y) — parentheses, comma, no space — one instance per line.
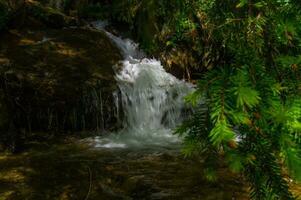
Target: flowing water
(150,99)
(142,161)
(149,104)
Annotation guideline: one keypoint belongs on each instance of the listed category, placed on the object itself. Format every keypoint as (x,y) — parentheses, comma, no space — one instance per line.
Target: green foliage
(221,132)
(249,92)
(246,95)
(247,107)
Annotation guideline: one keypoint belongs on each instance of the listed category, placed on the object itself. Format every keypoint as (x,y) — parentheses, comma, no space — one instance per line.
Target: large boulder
(33,14)
(58,80)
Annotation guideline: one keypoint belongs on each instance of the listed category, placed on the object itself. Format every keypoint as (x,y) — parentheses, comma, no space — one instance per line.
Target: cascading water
(152,100)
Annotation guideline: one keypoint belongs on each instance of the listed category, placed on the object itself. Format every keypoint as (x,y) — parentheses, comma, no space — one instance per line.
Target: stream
(150,101)
(142,160)
(78,172)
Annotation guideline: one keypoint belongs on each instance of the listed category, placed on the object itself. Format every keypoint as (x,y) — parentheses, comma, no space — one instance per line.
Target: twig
(90,186)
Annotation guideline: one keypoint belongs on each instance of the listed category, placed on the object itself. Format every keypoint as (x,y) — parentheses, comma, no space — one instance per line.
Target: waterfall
(152,100)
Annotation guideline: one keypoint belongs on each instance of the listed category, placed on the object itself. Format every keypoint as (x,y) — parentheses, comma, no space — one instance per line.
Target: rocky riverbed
(77,171)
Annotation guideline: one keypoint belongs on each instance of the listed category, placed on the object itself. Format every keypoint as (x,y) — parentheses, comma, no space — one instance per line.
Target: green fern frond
(194,97)
(221,133)
(191,146)
(247,96)
(210,174)
(240,117)
(235,161)
(293,162)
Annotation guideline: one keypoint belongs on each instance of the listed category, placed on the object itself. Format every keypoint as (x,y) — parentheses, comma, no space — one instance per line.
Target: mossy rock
(48,15)
(33,14)
(59,79)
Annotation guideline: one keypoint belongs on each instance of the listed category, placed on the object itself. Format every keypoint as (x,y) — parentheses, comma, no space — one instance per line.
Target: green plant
(248,108)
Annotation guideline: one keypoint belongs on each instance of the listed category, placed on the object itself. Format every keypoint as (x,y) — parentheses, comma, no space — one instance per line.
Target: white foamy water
(152,100)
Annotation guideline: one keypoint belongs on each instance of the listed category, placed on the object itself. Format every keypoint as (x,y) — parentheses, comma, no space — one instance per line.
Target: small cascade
(151,100)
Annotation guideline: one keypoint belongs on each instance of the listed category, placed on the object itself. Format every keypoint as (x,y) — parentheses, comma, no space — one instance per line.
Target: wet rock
(47,15)
(58,80)
(30,13)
